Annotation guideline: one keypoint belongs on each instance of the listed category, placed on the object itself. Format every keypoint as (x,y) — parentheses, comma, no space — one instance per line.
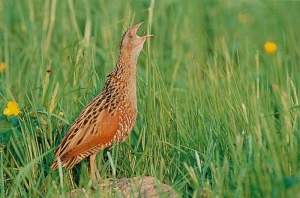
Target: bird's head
(131,43)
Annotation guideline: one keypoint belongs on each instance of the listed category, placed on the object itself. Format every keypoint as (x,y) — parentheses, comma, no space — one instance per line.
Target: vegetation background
(218,116)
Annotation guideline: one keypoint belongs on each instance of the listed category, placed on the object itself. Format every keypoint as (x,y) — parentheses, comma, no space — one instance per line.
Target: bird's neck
(125,69)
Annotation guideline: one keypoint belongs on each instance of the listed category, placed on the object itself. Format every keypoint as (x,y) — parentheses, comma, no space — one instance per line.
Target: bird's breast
(127,118)
(121,101)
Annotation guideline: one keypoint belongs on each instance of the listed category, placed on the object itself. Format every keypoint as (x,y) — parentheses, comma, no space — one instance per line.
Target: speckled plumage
(110,116)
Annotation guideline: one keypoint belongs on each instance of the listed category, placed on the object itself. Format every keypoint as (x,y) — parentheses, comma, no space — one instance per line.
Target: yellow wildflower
(12,109)
(2,67)
(270,47)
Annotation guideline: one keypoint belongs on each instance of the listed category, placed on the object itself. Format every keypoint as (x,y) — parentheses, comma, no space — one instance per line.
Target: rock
(128,187)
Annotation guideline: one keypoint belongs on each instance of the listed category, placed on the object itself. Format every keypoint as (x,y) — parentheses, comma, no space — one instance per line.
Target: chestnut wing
(87,133)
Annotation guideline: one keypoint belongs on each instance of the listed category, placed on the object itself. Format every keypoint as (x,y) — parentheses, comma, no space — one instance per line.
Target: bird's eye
(130,35)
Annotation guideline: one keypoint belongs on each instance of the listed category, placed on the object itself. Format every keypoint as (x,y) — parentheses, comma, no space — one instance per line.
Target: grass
(217,115)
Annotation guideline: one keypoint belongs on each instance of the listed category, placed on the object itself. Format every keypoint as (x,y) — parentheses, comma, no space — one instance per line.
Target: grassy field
(217,115)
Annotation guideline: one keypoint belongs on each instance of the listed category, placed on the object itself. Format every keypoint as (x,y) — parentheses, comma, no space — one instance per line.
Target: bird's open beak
(148,36)
(136,27)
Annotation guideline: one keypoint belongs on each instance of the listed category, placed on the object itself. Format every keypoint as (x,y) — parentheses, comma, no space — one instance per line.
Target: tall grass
(217,116)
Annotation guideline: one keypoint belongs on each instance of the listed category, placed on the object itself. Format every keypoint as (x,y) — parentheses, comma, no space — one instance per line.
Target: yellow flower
(2,67)
(12,109)
(270,47)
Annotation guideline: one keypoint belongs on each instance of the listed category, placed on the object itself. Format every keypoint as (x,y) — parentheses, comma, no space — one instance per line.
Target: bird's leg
(94,170)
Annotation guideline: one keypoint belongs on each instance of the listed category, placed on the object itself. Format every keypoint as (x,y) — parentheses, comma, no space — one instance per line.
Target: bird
(109,118)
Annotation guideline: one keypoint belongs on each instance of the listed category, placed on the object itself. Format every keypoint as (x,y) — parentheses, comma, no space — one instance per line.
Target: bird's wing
(88,132)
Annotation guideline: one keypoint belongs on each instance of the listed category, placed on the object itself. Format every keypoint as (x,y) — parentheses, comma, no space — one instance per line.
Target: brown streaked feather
(93,127)
(105,133)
